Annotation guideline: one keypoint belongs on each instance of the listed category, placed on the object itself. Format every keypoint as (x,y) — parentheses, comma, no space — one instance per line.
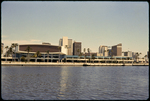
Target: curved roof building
(39,47)
(55,52)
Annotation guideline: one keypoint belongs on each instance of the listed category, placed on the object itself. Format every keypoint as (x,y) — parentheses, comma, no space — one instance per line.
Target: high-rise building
(117,50)
(103,50)
(67,43)
(76,48)
(63,41)
(70,47)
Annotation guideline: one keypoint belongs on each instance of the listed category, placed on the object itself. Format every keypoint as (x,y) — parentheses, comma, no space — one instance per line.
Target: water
(75,83)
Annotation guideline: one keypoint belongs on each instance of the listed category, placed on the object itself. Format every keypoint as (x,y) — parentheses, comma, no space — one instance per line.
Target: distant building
(46,43)
(117,50)
(122,53)
(2,48)
(93,53)
(63,41)
(76,47)
(103,50)
(67,43)
(70,47)
(128,53)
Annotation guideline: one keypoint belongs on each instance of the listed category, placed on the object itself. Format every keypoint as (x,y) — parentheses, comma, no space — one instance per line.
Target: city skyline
(92,23)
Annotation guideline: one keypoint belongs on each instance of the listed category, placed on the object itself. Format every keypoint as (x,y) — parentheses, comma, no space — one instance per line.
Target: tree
(47,55)
(23,58)
(78,50)
(145,57)
(80,54)
(137,55)
(38,54)
(28,49)
(14,45)
(93,57)
(89,52)
(6,52)
(11,51)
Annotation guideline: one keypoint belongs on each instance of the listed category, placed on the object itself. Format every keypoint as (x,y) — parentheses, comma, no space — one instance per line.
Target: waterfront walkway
(69,64)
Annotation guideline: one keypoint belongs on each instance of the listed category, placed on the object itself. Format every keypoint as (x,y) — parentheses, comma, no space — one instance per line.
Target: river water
(75,83)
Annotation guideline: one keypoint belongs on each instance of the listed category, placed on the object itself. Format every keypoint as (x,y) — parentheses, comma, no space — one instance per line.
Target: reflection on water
(75,83)
(63,81)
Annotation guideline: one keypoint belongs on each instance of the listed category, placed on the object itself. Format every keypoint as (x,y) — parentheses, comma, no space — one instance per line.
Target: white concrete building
(103,50)
(68,44)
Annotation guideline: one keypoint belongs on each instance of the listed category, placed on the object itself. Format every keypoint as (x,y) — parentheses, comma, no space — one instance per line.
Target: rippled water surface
(75,83)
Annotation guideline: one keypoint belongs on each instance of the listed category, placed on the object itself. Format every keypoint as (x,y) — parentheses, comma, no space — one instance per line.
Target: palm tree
(89,52)
(11,51)
(145,57)
(6,52)
(80,54)
(37,54)
(47,55)
(28,49)
(137,55)
(14,45)
(93,57)
(78,50)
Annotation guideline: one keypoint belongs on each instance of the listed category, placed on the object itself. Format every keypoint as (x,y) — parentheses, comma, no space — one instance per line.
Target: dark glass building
(76,48)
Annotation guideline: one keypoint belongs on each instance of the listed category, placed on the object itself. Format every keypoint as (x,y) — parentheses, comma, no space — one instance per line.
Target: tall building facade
(103,50)
(76,48)
(63,41)
(67,43)
(117,50)
(70,47)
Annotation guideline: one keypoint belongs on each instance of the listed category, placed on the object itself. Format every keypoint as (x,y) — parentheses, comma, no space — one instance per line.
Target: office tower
(63,41)
(76,48)
(67,43)
(117,50)
(103,50)
(70,47)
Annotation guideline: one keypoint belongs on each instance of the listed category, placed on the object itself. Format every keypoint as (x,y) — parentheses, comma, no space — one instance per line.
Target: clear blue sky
(92,23)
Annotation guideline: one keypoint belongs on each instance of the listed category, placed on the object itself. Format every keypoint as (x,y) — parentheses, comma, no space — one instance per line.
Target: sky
(94,23)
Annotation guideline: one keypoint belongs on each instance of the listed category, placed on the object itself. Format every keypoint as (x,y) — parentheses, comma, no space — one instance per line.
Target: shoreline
(69,64)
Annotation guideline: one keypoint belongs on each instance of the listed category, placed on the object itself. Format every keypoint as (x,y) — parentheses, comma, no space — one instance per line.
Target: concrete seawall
(69,64)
